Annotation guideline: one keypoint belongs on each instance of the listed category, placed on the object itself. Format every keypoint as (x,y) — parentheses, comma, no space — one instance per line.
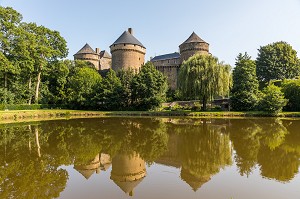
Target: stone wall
(125,56)
(105,63)
(170,68)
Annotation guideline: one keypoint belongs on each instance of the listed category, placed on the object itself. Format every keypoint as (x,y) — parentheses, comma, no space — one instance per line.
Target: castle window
(139,58)
(168,61)
(124,44)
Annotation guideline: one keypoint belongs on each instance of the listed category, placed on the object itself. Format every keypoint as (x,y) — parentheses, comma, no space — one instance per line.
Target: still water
(150,158)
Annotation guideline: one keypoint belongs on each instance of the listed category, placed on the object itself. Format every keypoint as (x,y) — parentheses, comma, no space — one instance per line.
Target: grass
(37,115)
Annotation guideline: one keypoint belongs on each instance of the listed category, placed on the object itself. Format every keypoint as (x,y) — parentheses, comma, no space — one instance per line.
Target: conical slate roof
(194,181)
(127,38)
(86,49)
(105,54)
(128,186)
(194,38)
(86,173)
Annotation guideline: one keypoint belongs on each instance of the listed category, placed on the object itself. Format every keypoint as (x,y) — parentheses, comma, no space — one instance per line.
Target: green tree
(49,47)
(202,77)
(277,61)
(9,22)
(126,77)
(149,88)
(57,81)
(273,99)
(244,93)
(81,87)
(291,90)
(107,94)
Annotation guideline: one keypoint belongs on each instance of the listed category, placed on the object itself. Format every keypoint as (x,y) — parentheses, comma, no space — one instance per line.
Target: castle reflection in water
(32,154)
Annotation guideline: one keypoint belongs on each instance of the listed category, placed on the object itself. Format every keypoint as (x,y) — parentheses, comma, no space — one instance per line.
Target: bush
(272,100)
(291,90)
(177,107)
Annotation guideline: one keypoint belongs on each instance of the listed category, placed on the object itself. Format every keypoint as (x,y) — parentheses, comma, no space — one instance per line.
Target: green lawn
(29,115)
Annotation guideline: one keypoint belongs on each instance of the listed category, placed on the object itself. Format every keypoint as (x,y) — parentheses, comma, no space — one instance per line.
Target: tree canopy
(203,77)
(244,93)
(277,61)
(149,88)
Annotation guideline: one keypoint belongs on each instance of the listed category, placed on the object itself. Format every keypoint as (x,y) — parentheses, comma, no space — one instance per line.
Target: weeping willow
(203,77)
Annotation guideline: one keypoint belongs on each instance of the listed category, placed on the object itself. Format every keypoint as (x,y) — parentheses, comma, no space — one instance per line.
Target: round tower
(127,52)
(87,170)
(193,45)
(128,171)
(86,53)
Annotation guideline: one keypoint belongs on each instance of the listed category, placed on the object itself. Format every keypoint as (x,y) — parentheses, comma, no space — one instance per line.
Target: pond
(151,158)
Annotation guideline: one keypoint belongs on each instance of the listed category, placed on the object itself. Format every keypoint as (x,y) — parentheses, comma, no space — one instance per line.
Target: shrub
(291,90)
(272,100)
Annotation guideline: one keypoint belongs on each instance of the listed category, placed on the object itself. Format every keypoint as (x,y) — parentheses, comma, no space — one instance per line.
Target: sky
(230,27)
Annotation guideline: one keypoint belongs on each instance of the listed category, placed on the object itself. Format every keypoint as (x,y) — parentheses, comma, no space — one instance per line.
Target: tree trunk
(5,88)
(5,80)
(29,140)
(36,130)
(38,81)
(204,102)
(29,88)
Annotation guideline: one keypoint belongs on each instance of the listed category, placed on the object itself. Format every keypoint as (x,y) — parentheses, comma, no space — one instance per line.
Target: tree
(49,46)
(126,77)
(277,61)
(273,99)
(82,87)
(9,22)
(202,77)
(291,90)
(56,80)
(107,94)
(244,93)
(149,88)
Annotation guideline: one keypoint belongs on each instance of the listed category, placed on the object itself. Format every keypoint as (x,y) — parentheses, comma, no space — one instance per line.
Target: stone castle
(127,52)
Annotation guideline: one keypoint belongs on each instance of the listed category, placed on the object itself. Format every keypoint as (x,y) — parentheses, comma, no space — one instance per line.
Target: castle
(127,52)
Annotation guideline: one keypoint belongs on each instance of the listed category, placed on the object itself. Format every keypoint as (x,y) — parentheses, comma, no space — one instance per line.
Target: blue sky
(230,27)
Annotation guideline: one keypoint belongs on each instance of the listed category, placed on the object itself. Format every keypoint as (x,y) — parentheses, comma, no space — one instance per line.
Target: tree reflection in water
(31,154)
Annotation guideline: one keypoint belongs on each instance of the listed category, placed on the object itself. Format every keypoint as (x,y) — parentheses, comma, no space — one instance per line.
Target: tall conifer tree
(245,84)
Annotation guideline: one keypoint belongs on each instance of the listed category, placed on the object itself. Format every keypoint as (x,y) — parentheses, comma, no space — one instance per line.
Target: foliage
(273,99)
(149,88)
(203,77)
(291,90)
(25,52)
(107,95)
(82,87)
(244,93)
(277,61)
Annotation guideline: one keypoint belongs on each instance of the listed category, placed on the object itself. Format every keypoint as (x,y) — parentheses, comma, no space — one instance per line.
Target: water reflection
(128,171)
(31,155)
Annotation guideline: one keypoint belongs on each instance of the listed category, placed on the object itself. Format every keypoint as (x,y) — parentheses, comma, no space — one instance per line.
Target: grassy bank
(32,115)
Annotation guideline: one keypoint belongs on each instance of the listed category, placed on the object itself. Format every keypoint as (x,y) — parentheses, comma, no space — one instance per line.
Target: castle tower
(87,170)
(195,182)
(100,59)
(193,45)
(128,171)
(127,52)
(86,53)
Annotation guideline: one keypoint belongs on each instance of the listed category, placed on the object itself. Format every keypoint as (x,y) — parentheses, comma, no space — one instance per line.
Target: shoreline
(40,115)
